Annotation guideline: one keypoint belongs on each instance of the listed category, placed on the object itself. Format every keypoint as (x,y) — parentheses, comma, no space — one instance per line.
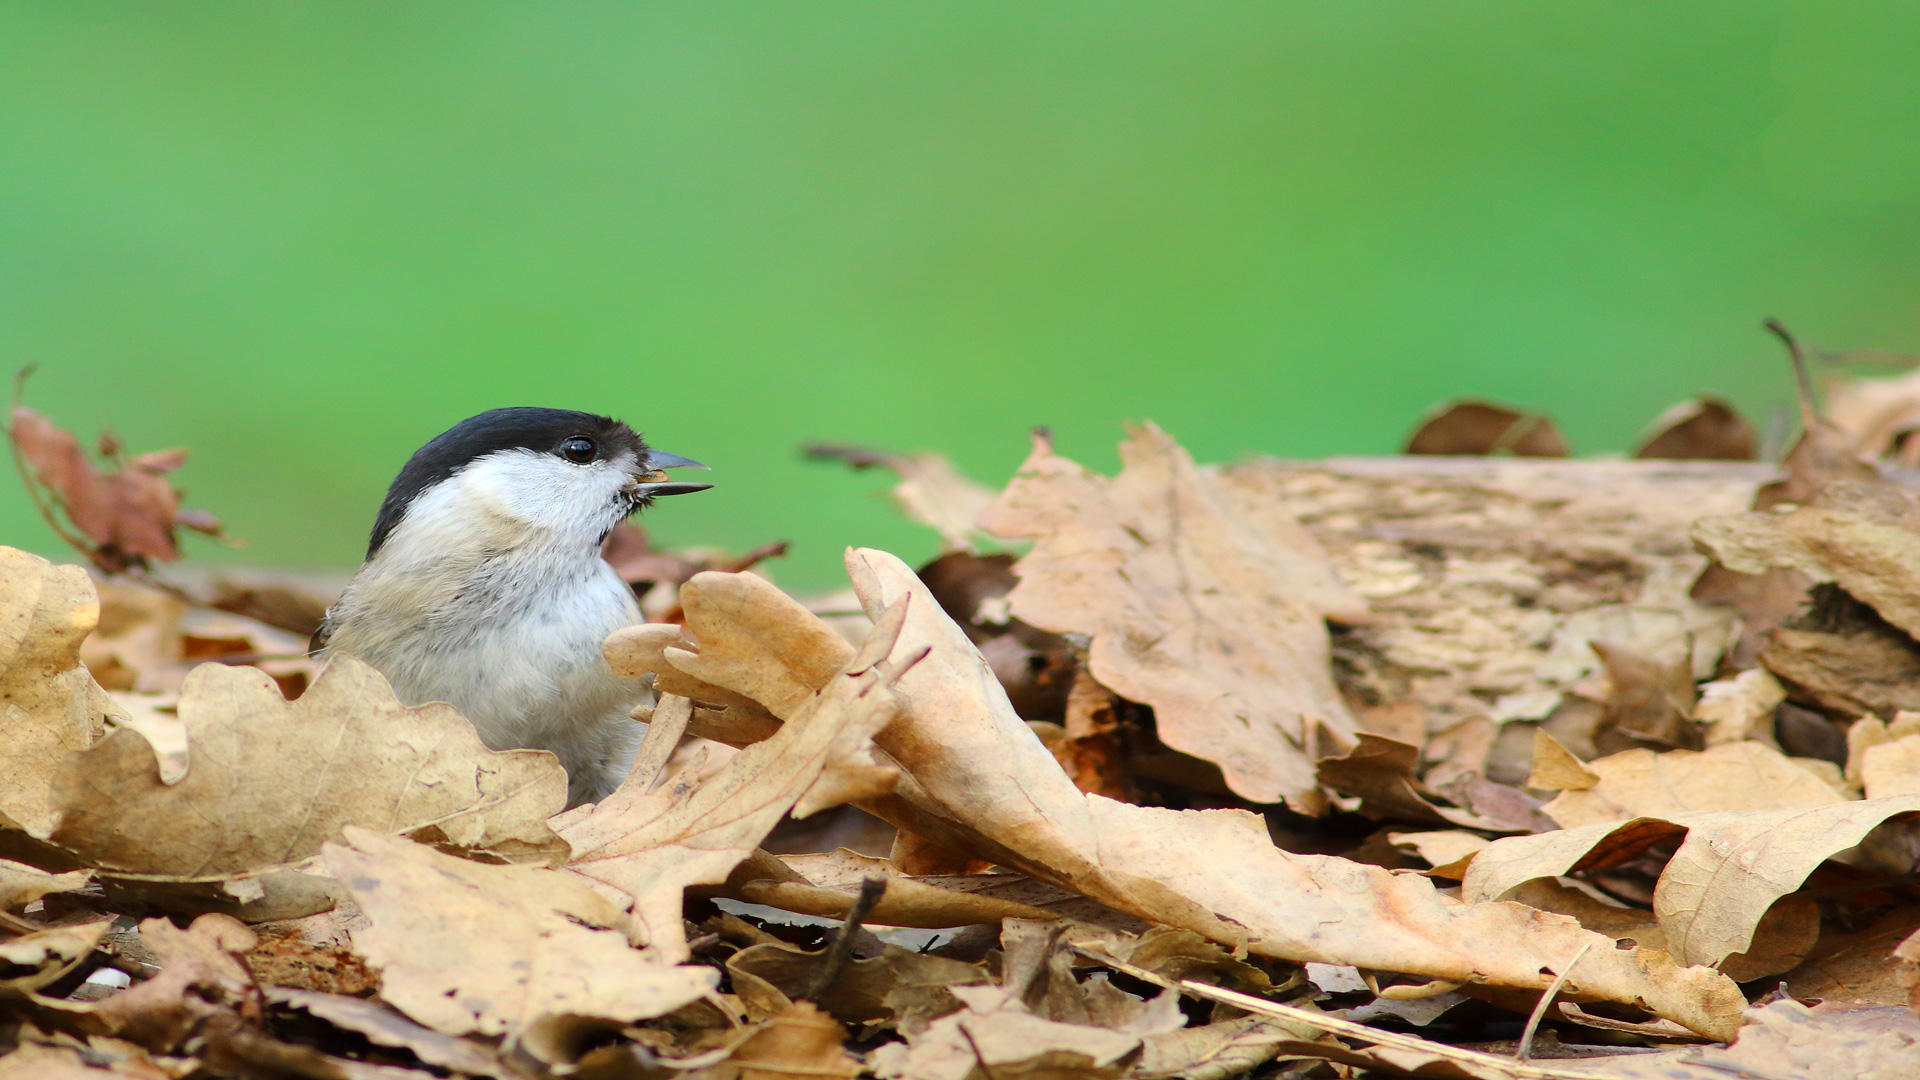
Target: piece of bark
(1472,566)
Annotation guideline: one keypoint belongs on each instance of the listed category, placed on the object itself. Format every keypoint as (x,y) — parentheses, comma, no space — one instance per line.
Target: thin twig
(1525,1049)
(871,890)
(1337,1026)
(1809,415)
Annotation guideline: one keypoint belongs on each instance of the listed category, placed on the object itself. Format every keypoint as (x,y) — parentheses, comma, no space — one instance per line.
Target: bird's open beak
(660,459)
(655,483)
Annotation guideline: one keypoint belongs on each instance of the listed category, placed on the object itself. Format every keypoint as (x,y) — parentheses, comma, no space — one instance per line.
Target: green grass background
(303,237)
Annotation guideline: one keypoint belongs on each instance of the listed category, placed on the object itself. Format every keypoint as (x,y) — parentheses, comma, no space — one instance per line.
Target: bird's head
(550,475)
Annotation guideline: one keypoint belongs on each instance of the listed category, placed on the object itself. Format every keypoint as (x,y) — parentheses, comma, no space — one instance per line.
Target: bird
(483,585)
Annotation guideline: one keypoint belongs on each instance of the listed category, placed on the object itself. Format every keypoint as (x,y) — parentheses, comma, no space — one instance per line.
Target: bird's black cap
(539,430)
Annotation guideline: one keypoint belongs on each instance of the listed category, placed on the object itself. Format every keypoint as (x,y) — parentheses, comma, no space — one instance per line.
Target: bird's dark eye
(579,449)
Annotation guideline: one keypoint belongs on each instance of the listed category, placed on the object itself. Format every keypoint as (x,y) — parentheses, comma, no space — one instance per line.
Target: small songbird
(484,586)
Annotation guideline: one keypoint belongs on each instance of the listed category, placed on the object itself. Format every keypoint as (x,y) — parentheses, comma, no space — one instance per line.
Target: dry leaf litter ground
(1489,766)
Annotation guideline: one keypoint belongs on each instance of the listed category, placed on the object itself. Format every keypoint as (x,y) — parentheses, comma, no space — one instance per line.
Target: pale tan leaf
(981,782)
(881,988)
(653,846)
(1007,1041)
(1734,708)
(1892,768)
(1555,768)
(1731,776)
(801,1043)
(21,884)
(1734,866)
(1786,1040)
(49,703)
(1214,1051)
(268,780)
(1875,413)
(1446,849)
(1195,607)
(1512,861)
(73,1060)
(1872,557)
(1332,910)
(201,976)
(931,491)
(756,640)
(465,947)
(1728,872)
(642,650)
(384,1025)
(33,960)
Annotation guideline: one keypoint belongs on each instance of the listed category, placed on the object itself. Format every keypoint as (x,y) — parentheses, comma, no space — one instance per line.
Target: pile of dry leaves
(1434,766)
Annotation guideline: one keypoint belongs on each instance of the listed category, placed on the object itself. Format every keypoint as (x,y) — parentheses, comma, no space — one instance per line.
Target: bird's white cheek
(548,493)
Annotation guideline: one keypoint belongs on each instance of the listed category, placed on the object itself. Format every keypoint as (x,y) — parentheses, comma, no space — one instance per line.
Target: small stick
(1496,1066)
(1809,416)
(871,889)
(1533,1022)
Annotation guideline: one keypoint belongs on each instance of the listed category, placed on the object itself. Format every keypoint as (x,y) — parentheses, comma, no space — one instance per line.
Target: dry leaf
(1469,563)
(384,1026)
(21,884)
(801,1042)
(49,704)
(1649,699)
(129,514)
(997,1036)
(1907,956)
(879,988)
(1729,870)
(66,1057)
(931,491)
(1481,427)
(1786,1040)
(1732,776)
(1704,429)
(828,884)
(1872,552)
(201,980)
(1739,708)
(33,960)
(976,770)
(269,781)
(1380,771)
(1448,851)
(1868,670)
(1892,768)
(1214,1051)
(1195,609)
(465,947)
(653,846)
(769,641)
(1877,416)
(1038,669)
(1555,768)
(1859,967)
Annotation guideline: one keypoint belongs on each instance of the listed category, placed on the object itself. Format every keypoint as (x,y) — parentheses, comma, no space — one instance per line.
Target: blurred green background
(302,238)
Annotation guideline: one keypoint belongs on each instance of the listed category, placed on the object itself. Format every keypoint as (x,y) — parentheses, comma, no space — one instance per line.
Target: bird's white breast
(471,603)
